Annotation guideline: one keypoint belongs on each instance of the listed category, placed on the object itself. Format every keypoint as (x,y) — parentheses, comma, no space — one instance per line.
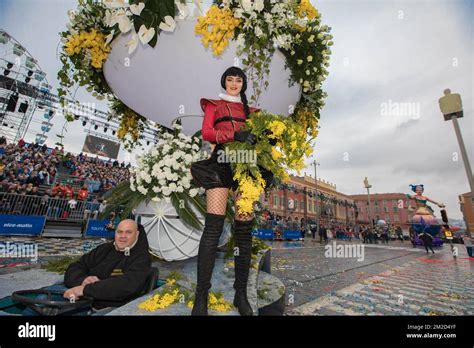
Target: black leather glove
(270,140)
(245,137)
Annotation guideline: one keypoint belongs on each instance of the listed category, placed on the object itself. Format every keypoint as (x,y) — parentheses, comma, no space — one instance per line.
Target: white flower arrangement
(164,170)
(121,13)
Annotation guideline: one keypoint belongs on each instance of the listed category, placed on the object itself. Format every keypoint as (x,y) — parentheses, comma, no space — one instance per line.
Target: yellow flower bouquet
(282,145)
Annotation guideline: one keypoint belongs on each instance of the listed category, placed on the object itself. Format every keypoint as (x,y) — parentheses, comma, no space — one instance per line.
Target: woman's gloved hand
(245,137)
(270,140)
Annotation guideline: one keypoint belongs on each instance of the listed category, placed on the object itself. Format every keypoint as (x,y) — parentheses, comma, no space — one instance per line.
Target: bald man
(113,273)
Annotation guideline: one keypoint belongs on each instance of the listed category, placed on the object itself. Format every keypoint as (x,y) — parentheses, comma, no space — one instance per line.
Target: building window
(384,202)
(296,204)
(395,218)
(385,209)
(395,209)
(377,209)
(376,203)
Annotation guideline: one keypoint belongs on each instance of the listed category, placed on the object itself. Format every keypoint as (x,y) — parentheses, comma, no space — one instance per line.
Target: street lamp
(368,186)
(451,107)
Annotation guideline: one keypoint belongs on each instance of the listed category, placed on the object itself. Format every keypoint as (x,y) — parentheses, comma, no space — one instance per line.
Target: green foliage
(60,265)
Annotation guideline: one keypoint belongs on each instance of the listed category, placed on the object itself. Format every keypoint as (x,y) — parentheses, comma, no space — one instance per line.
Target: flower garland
(291,26)
(217,28)
(91,28)
(94,45)
(259,28)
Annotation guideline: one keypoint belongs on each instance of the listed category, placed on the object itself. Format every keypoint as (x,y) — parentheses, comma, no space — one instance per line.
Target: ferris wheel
(24,90)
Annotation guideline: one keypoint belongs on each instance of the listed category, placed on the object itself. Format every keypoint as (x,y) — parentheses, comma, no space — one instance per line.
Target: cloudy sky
(387,55)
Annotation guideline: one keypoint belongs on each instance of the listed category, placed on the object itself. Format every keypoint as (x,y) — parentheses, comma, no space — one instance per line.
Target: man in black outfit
(113,273)
(323,234)
(427,241)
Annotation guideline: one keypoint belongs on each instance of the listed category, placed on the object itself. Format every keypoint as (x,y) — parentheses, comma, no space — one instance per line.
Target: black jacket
(122,278)
(426,238)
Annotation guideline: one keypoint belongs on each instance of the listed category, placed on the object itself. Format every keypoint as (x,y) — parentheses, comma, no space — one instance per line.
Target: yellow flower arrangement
(277,128)
(308,120)
(172,294)
(93,42)
(291,148)
(170,281)
(128,125)
(305,9)
(250,191)
(215,303)
(159,301)
(276,155)
(218,303)
(217,28)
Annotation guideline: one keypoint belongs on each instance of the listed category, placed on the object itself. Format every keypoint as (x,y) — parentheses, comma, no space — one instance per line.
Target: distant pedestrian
(468,243)
(313,231)
(323,234)
(399,233)
(427,241)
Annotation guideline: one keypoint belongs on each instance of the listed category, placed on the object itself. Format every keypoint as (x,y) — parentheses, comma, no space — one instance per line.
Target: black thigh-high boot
(243,241)
(206,258)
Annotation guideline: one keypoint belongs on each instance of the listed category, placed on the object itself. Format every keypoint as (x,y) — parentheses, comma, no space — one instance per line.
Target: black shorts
(213,173)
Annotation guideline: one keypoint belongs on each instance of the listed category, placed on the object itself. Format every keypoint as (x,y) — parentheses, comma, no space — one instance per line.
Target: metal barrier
(53,208)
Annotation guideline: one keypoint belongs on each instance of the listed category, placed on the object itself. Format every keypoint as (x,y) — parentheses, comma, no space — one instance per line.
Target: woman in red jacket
(223,119)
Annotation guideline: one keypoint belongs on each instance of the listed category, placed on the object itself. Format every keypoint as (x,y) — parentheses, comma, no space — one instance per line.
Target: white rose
(258,31)
(258,5)
(238,13)
(142,190)
(247,5)
(188,158)
(193,192)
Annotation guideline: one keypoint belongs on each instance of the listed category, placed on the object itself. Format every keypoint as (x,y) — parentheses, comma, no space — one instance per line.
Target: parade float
(423,219)
(153,61)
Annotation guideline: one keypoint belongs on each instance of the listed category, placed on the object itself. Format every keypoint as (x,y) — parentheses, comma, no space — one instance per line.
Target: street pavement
(393,279)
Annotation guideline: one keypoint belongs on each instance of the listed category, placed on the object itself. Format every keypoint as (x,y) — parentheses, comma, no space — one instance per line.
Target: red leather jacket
(222,119)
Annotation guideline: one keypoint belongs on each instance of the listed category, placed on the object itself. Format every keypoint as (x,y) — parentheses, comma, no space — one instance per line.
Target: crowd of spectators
(32,170)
